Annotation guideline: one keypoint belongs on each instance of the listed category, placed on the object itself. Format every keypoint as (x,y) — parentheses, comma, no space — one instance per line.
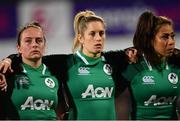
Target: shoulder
(132,70)
(117,59)
(55,57)
(114,55)
(175,58)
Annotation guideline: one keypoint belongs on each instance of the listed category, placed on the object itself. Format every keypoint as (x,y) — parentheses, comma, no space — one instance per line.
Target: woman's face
(93,39)
(32,44)
(164,43)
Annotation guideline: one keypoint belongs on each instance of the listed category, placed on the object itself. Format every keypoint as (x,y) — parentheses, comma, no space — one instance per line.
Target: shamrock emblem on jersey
(173,78)
(49,82)
(107,69)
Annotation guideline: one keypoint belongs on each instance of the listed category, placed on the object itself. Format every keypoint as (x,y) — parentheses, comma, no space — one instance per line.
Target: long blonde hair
(80,25)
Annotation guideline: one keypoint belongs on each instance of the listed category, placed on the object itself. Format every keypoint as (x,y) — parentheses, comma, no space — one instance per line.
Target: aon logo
(38,104)
(98,92)
(159,101)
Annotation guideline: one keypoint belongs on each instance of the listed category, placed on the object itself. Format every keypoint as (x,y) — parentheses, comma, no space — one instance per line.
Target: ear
(18,48)
(80,38)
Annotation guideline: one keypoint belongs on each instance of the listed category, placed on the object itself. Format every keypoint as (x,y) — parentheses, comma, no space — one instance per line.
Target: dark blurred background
(56,16)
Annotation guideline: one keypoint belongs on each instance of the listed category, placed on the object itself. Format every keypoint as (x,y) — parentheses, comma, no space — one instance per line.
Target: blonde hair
(80,25)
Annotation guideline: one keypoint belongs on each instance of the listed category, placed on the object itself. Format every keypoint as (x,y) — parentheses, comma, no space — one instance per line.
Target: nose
(171,41)
(98,37)
(34,43)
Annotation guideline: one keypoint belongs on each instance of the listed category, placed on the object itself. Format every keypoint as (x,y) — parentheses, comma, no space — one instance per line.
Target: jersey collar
(42,68)
(150,66)
(88,60)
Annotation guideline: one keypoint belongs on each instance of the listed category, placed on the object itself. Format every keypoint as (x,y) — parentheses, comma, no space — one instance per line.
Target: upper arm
(123,105)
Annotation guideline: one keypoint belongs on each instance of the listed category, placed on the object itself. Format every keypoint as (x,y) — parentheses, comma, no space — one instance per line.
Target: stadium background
(56,16)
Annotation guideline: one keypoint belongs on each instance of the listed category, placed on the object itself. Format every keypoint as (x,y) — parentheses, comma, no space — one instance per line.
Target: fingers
(11,70)
(5,65)
(4,87)
(1,65)
(134,52)
(6,68)
(8,63)
(132,55)
(3,84)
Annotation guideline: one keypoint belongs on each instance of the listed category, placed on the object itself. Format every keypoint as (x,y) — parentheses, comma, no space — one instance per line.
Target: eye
(165,37)
(39,40)
(92,33)
(28,41)
(173,36)
(101,33)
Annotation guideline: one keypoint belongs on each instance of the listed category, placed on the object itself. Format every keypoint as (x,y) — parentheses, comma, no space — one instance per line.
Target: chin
(169,54)
(36,57)
(98,51)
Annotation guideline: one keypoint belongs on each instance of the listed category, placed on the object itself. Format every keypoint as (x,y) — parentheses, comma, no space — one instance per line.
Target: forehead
(95,25)
(166,28)
(32,32)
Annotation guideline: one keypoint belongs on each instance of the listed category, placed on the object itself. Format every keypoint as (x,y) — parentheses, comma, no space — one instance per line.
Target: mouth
(170,50)
(98,46)
(35,52)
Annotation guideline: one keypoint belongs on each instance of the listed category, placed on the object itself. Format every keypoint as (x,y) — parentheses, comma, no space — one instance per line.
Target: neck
(163,58)
(35,63)
(92,54)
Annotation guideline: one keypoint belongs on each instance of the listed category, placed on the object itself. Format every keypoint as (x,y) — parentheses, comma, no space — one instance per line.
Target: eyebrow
(34,37)
(167,34)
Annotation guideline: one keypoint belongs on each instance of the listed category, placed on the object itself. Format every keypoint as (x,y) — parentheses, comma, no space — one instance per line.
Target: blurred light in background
(56,16)
(8,21)
(121,16)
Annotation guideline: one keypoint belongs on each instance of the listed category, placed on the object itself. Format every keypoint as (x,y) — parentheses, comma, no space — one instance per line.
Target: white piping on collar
(167,67)
(103,58)
(82,58)
(24,70)
(43,71)
(149,65)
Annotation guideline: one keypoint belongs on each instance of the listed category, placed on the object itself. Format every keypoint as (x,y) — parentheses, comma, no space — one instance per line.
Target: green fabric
(35,93)
(92,88)
(154,93)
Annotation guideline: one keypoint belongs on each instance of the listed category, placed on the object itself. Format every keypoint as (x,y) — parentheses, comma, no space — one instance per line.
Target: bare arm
(178,108)
(123,105)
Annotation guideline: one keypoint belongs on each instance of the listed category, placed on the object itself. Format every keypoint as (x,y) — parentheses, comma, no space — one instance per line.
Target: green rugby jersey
(91,87)
(154,92)
(35,93)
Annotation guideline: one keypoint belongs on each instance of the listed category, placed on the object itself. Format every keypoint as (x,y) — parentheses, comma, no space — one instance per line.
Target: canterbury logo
(148,80)
(83,71)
